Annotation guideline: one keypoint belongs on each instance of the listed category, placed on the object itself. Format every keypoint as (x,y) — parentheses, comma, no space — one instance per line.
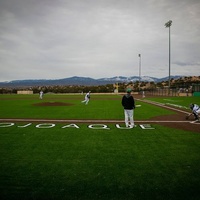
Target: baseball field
(59,148)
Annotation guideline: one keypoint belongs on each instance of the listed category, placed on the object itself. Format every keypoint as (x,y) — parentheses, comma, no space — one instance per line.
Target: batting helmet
(191,106)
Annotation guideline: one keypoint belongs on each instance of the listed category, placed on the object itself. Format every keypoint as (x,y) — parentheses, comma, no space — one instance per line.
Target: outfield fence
(171,92)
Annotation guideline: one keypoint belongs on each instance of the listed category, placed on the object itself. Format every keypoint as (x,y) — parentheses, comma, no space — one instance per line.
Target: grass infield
(84,163)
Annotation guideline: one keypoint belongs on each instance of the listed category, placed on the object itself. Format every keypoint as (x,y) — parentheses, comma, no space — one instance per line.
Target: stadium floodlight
(167,25)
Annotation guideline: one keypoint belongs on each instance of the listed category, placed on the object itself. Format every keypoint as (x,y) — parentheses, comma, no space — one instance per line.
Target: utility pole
(139,55)
(167,25)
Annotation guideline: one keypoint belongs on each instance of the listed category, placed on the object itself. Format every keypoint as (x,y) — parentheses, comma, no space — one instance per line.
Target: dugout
(196,90)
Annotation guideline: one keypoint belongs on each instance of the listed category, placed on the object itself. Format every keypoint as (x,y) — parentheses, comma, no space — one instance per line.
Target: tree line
(183,82)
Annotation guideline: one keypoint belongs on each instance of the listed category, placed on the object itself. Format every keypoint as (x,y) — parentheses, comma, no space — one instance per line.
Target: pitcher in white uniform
(87,98)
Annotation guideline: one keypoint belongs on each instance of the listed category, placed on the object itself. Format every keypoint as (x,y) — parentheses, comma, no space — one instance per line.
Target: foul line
(163,106)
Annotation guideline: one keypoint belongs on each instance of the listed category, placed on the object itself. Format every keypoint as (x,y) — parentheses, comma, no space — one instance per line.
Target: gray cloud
(187,63)
(57,39)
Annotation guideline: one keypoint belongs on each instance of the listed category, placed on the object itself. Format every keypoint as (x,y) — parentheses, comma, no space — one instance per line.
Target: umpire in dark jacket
(128,103)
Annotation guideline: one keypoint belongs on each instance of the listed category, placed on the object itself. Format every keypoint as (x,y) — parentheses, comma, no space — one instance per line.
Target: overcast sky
(53,39)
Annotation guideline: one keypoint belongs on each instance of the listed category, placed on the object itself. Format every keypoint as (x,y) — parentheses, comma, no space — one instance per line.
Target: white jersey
(196,109)
(41,94)
(87,96)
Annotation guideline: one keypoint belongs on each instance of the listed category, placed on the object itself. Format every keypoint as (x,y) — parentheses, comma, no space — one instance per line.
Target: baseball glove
(187,117)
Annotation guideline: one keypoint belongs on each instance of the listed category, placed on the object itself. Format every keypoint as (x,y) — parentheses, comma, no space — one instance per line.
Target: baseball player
(87,98)
(195,111)
(128,103)
(41,94)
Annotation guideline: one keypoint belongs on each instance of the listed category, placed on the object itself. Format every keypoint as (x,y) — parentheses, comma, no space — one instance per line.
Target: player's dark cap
(191,105)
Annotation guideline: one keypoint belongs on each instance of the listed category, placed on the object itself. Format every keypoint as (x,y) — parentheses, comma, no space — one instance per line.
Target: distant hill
(86,81)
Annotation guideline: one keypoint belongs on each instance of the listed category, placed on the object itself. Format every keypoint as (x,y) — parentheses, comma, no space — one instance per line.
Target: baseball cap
(129,90)
(191,105)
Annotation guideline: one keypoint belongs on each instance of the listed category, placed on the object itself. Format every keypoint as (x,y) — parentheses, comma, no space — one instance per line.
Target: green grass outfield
(85,163)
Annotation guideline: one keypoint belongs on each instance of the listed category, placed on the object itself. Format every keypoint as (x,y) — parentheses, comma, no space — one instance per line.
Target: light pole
(139,55)
(167,25)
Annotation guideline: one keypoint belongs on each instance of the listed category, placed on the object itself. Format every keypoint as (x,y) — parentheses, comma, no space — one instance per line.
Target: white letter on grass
(118,126)
(45,125)
(25,125)
(2,125)
(70,126)
(98,126)
(146,126)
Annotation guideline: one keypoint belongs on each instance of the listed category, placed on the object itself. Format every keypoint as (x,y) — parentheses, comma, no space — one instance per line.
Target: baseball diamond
(176,120)
(59,148)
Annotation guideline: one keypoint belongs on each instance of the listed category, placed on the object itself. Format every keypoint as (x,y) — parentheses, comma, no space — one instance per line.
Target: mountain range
(75,80)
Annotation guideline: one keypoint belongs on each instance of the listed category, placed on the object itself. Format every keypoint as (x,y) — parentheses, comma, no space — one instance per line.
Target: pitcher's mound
(53,104)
